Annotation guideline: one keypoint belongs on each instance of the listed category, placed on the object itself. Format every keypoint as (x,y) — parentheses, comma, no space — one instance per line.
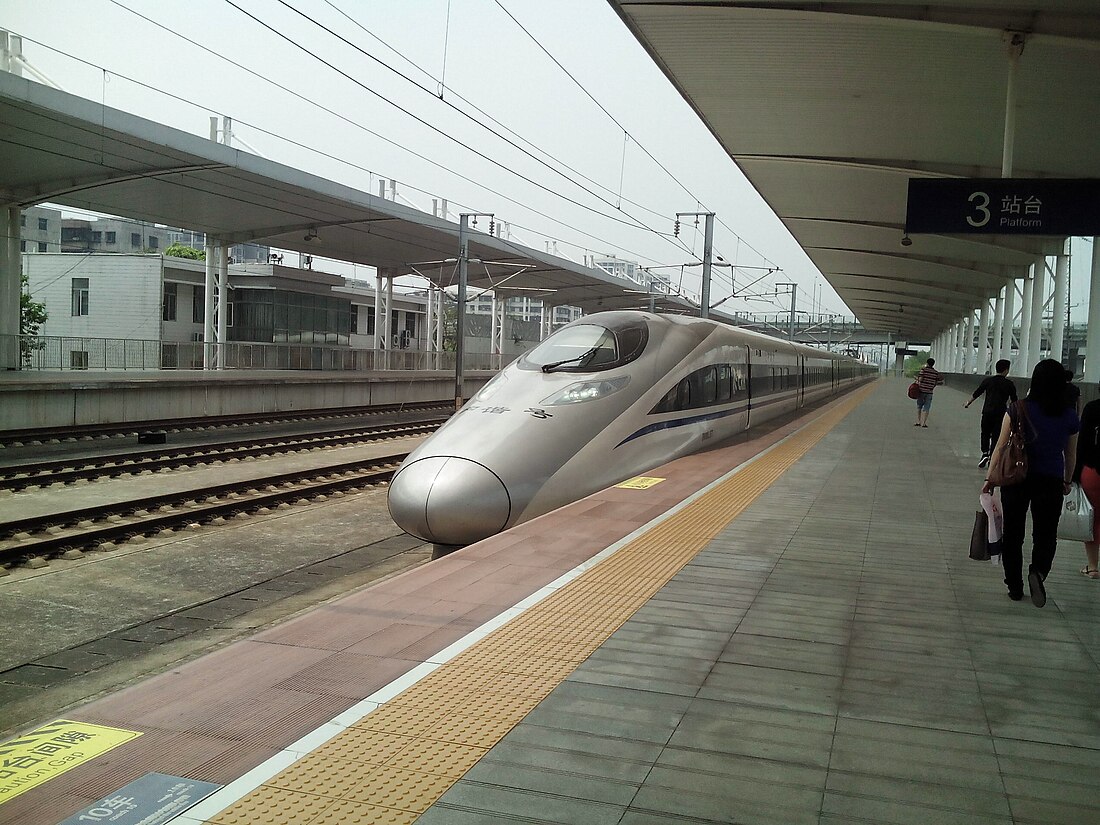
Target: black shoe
(1035,585)
(985,460)
(1015,596)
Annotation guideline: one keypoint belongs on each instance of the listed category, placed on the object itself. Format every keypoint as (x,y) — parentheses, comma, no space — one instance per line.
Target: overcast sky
(370,108)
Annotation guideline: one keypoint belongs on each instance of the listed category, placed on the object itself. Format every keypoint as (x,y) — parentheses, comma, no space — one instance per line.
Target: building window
(169,311)
(198,305)
(153,241)
(22,220)
(78,359)
(22,246)
(354,319)
(80,296)
(43,224)
(97,237)
(135,239)
(42,246)
(110,237)
(370,320)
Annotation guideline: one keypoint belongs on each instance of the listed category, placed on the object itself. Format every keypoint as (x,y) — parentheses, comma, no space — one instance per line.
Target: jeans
(1043,494)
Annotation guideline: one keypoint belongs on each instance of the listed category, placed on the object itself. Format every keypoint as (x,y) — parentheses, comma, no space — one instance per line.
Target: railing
(48,353)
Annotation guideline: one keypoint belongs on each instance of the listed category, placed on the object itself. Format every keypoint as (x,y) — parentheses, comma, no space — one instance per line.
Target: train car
(607,397)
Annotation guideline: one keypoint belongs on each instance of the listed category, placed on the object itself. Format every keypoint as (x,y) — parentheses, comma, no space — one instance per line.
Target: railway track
(33,540)
(12,438)
(70,470)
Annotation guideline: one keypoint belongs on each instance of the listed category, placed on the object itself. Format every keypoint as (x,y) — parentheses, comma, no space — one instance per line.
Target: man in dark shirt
(999,391)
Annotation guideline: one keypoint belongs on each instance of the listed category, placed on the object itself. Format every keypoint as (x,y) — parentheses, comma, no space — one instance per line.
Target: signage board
(38,756)
(1004,206)
(153,799)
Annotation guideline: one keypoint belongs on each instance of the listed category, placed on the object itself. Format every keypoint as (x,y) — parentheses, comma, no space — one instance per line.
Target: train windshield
(588,348)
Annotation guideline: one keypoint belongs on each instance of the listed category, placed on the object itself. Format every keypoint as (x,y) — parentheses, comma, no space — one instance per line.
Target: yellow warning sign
(42,754)
(640,482)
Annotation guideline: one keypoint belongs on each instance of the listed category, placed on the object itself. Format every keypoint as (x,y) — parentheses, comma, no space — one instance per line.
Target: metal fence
(44,352)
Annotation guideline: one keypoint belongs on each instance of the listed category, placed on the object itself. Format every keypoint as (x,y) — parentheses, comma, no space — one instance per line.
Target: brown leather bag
(1009,465)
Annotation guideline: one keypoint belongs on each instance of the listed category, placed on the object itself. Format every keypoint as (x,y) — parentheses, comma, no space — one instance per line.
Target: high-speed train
(606,397)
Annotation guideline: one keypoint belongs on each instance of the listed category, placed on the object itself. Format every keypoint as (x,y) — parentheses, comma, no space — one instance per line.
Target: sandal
(1090,572)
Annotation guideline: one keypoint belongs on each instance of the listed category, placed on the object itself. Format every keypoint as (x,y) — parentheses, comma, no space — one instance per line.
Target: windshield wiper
(586,354)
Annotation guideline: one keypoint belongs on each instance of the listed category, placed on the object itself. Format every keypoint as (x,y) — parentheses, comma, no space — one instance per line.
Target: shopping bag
(979,537)
(992,507)
(914,390)
(1077,520)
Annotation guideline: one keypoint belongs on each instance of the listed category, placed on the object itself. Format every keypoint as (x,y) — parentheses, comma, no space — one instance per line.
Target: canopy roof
(74,152)
(829,107)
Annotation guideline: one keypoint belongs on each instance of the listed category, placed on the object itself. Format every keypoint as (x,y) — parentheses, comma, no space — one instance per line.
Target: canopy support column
(1022,368)
(1061,296)
(223,302)
(998,327)
(983,338)
(11,269)
(208,332)
(968,344)
(1092,345)
(1038,290)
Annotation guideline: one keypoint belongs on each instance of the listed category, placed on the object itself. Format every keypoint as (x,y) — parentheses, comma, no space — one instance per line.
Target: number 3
(982,207)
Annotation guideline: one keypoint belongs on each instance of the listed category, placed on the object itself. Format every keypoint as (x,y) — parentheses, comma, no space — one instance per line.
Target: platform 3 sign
(1004,206)
(36,757)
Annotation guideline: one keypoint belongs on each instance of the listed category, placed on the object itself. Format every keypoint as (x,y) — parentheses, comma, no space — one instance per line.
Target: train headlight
(587,391)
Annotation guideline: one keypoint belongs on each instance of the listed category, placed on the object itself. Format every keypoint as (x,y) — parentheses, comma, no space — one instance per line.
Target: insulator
(676,228)
(492,227)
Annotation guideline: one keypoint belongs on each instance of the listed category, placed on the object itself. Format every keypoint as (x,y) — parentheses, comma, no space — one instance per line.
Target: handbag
(1009,464)
(914,390)
(979,537)
(1076,522)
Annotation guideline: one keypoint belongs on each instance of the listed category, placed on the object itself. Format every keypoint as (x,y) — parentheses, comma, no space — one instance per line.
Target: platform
(62,399)
(783,630)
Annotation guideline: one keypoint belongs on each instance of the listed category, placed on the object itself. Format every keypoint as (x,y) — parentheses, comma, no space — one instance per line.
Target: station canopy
(63,149)
(830,107)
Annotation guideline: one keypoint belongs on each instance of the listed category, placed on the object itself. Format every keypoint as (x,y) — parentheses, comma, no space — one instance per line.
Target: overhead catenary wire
(323,108)
(634,222)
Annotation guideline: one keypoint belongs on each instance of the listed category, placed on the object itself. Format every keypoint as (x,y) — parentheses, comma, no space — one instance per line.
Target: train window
(709,381)
(683,394)
(725,374)
(585,347)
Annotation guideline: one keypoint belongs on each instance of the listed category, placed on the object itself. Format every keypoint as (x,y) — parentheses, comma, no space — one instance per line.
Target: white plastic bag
(992,508)
(1076,522)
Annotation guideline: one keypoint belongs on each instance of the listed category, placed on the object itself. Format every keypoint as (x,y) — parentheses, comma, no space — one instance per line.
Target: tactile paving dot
(273,806)
(365,746)
(359,813)
(441,758)
(398,788)
(320,774)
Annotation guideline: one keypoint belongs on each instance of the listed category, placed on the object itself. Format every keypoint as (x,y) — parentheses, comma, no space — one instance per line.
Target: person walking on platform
(1073,393)
(999,391)
(927,380)
(1087,474)
(1050,429)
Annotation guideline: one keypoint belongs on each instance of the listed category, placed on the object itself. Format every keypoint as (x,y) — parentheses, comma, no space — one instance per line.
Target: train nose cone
(448,500)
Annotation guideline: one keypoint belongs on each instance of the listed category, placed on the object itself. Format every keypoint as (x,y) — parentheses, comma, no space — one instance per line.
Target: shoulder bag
(1009,465)
(914,390)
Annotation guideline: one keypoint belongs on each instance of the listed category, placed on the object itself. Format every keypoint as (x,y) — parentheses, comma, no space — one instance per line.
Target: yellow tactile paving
(396,761)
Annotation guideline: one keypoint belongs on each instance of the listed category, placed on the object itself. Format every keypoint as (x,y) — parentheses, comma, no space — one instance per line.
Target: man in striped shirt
(927,380)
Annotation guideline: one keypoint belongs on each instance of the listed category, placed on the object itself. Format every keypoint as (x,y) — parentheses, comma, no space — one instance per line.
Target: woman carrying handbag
(1048,426)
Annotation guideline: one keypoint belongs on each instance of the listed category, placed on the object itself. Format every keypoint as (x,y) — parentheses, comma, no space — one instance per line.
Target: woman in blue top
(1050,428)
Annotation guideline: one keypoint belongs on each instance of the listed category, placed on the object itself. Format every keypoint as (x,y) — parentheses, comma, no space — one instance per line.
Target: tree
(178,250)
(914,362)
(32,314)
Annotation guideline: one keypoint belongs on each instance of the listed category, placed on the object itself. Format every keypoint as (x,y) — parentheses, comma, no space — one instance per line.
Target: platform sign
(1004,206)
(36,757)
(153,799)
(639,483)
